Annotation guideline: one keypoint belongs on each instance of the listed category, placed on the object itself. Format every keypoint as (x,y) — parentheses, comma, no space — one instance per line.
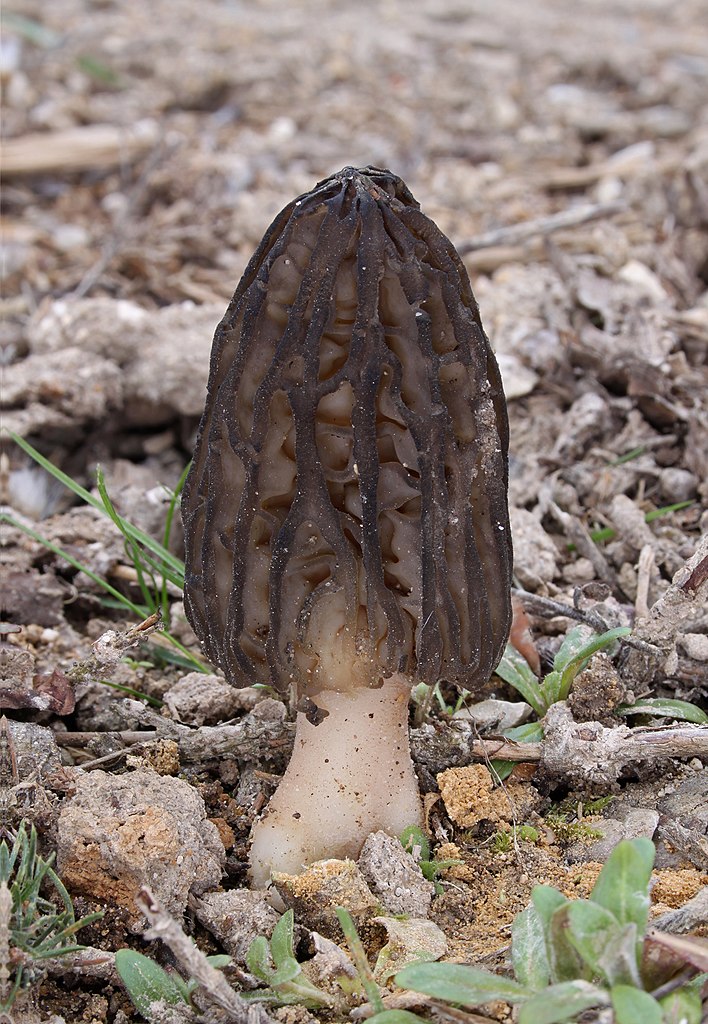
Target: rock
(586,422)
(236,918)
(59,389)
(327,884)
(677,484)
(36,752)
(519,380)
(494,715)
(118,833)
(694,645)
(33,597)
(394,876)
(688,804)
(328,965)
(535,554)
(409,941)
(162,356)
(640,822)
(199,699)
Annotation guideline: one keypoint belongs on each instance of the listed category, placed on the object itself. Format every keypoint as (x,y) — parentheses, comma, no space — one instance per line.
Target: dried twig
(688,589)
(515,233)
(588,752)
(261,735)
(93,963)
(688,593)
(583,751)
(580,536)
(546,607)
(110,648)
(195,964)
(91,146)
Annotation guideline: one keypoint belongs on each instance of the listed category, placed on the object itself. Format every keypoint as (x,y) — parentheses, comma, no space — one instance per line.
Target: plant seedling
(147,983)
(572,657)
(32,926)
(275,964)
(569,956)
(155,565)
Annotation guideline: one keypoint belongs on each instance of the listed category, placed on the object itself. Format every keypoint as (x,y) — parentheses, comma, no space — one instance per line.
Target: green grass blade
(665,708)
(133,551)
(359,956)
(515,670)
(140,612)
(136,534)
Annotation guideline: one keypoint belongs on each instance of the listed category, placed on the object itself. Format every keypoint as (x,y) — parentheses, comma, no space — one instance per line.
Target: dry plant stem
(589,752)
(258,736)
(547,608)
(76,149)
(576,532)
(645,565)
(686,595)
(90,962)
(195,964)
(110,648)
(542,226)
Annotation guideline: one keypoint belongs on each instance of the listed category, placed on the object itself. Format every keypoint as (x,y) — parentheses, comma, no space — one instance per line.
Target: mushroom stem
(348,776)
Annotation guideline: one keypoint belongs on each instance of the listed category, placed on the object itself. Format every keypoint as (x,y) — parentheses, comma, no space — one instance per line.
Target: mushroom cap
(346,511)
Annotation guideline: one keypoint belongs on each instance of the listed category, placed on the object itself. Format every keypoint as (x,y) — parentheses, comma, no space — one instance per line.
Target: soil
(147,148)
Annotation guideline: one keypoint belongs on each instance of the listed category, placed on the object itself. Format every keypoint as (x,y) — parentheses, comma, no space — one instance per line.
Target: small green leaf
(411,837)
(665,708)
(619,961)
(281,941)
(460,983)
(562,1002)
(528,950)
(258,958)
(565,961)
(146,981)
(682,1006)
(361,963)
(529,732)
(575,653)
(622,886)
(515,670)
(287,970)
(546,901)
(219,960)
(590,929)
(632,1006)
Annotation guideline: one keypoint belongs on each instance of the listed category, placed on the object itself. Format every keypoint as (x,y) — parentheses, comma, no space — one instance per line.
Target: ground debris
(394,876)
(568,158)
(236,918)
(116,834)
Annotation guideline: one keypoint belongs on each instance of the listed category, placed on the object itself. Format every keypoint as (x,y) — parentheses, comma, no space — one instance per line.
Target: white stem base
(348,776)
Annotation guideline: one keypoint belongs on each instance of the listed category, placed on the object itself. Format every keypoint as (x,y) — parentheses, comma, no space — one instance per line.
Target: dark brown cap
(346,512)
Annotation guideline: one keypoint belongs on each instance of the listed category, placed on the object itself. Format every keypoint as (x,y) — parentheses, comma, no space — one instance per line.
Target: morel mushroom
(346,513)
